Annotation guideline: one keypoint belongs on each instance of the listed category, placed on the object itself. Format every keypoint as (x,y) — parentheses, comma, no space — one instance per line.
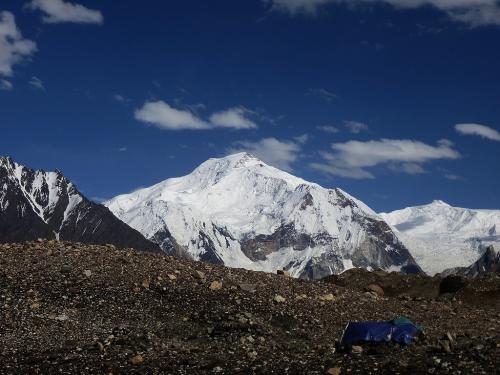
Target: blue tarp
(400,330)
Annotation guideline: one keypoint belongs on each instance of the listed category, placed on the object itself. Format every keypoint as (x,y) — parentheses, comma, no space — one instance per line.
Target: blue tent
(400,330)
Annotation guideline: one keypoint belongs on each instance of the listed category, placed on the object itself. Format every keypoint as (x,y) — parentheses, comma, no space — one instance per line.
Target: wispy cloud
(36,83)
(328,129)
(480,130)
(453,177)
(473,13)
(323,94)
(302,139)
(59,11)
(355,127)
(121,99)
(5,85)
(13,47)
(352,159)
(164,116)
(278,153)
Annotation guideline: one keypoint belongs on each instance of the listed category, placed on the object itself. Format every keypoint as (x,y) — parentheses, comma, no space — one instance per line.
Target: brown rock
(283,273)
(137,360)
(327,297)
(216,285)
(377,289)
(333,371)
(279,299)
(356,349)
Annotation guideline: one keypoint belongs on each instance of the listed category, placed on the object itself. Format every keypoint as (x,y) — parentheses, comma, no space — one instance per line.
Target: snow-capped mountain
(240,212)
(39,204)
(440,236)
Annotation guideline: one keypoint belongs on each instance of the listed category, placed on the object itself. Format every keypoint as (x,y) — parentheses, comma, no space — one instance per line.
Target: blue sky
(395,101)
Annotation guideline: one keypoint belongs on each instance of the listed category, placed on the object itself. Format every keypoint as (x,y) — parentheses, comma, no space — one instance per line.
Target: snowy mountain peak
(239,211)
(439,203)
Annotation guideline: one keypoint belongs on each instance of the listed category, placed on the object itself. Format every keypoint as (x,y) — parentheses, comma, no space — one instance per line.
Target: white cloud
(477,129)
(164,116)
(58,11)
(5,85)
(233,118)
(355,127)
(328,129)
(280,154)
(37,83)
(474,13)
(351,159)
(13,47)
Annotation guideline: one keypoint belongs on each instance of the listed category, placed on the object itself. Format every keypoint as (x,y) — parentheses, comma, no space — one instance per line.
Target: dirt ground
(78,309)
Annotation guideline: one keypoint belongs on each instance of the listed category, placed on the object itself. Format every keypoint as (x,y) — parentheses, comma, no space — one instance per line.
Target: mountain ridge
(441,236)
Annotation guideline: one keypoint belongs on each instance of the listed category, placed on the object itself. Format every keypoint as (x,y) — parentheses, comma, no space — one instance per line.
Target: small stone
(65,268)
(248,287)
(62,317)
(283,273)
(145,283)
(252,354)
(445,345)
(172,277)
(333,371)
(199,275)
(216,285)
(137,360)
(87,273)
(136,289)
(35,306)
(279,299)
(356,349)
(327,297)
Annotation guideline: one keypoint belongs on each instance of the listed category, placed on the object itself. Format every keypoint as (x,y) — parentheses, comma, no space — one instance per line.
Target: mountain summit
(36,204)
(241,212)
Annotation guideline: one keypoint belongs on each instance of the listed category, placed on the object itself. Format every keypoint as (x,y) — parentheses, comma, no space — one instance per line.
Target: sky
(395,101)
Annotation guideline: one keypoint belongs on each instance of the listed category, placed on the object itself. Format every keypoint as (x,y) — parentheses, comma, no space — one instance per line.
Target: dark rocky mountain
(39,204)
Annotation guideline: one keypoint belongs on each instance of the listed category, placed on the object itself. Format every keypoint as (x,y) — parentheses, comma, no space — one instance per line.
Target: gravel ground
(77,309)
